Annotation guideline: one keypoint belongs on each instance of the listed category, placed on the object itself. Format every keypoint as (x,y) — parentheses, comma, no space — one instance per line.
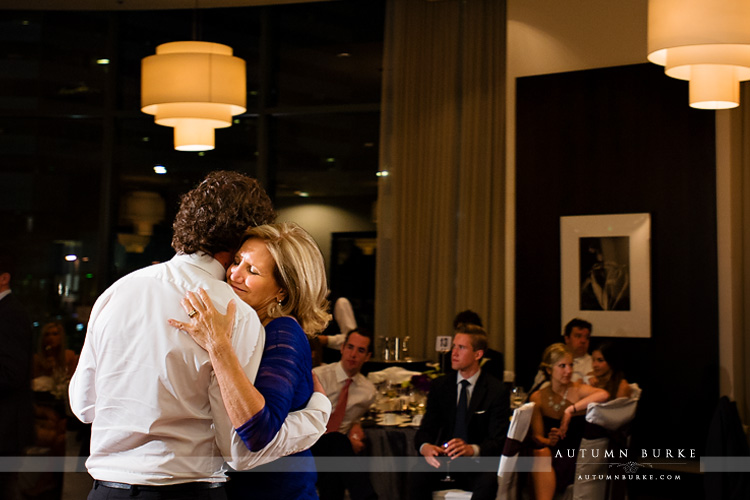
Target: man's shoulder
(443,382)
(324,370)
(492,383)
(365,382)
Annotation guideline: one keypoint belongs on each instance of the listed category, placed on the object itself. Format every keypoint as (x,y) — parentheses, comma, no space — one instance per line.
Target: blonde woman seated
(278,271)
(607,371)
(558,420)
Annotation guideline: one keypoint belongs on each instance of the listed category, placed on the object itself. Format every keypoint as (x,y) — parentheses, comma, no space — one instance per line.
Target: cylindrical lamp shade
(197,86)
(704,41)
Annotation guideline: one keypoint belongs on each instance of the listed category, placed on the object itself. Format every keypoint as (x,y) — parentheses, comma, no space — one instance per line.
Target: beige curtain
(441,208)
(738,384)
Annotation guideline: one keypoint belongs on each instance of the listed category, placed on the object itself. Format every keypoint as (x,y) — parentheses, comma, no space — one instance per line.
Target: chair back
(604,420)
(612,415)
(507,474)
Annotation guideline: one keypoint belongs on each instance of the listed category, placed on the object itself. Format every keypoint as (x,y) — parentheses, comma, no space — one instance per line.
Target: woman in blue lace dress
(279,272)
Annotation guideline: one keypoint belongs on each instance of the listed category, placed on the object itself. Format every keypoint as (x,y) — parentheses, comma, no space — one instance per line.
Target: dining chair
(603,422)
(507,471)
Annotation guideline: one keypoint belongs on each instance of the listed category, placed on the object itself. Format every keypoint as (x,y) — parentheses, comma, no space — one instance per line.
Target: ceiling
(138,4)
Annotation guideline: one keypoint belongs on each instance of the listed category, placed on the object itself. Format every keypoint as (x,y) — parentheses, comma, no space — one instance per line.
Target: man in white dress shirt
(159,426)
(345,436)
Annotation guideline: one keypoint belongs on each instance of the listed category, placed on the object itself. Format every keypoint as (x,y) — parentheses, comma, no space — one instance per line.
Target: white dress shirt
(343,313)
(150,392)
(582,367)
(362,392)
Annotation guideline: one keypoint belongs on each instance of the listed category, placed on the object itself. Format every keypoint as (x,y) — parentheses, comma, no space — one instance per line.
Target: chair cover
(507,475)
(451,495)
(604,420)
(612,415)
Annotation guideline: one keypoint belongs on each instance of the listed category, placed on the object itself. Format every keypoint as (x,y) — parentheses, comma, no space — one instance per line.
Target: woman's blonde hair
(552,355)
(299,269)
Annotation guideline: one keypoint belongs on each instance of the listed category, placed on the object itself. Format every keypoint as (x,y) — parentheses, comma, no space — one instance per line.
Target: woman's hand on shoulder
(208,327)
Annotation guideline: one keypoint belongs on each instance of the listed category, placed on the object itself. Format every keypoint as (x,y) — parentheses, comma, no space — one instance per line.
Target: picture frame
(605,278)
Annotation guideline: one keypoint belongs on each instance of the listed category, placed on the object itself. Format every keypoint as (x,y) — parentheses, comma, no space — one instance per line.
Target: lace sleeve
(284,379)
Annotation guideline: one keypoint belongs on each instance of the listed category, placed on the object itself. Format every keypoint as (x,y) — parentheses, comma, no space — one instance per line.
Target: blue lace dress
(285,381)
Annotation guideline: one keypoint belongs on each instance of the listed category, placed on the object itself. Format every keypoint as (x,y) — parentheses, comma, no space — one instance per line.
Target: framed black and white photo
(606,273)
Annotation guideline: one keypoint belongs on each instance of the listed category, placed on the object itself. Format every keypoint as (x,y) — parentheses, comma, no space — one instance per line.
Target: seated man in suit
(467,415)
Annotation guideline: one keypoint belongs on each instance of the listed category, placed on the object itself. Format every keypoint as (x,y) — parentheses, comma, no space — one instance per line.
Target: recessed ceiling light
(160,169)
(302,194)
(103,61)
(71,257)
(382,173)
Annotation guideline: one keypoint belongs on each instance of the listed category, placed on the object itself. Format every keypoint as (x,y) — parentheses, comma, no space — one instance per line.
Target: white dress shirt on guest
(343,313)
(150,391)
(362,392)
(582,368)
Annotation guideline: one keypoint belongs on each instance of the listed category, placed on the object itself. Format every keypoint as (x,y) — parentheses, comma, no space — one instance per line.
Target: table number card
(443,343)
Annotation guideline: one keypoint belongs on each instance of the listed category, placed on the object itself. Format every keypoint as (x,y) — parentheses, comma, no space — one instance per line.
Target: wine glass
(517,397)
(447,478)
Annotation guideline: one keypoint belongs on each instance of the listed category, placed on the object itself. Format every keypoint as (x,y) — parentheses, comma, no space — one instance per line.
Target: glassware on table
(517,397)
(386,348)
(405,349)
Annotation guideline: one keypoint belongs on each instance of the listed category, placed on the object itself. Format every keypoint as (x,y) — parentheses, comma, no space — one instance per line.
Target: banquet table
(390,443)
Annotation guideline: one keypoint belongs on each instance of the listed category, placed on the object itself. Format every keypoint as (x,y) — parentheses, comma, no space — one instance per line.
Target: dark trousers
(101,492)
(331,485)
(9,486)
(424,479)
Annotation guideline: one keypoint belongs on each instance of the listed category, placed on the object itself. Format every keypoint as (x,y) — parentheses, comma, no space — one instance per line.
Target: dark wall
(624,140)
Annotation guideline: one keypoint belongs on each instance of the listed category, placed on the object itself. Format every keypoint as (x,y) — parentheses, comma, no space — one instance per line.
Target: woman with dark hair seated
(558,420)
(608,373)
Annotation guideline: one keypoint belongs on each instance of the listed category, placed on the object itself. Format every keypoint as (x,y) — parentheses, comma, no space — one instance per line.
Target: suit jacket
(16,413)
(489,414)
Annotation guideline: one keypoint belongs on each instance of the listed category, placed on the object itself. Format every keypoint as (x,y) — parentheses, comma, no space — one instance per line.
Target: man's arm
(499,414)
(82,388)
(433,419)
(15,356)
(300,431)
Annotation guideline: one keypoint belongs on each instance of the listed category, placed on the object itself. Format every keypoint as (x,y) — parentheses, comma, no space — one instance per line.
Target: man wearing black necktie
(467,416)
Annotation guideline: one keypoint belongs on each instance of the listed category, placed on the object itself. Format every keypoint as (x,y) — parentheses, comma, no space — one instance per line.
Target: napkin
(393,374)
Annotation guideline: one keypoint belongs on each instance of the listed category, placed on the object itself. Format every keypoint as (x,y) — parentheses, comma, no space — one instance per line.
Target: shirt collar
(4,294)
(341,375)
(203,261)
(472,380)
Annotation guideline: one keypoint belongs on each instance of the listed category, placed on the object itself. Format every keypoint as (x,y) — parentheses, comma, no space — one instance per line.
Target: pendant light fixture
(194,87)
(704,41)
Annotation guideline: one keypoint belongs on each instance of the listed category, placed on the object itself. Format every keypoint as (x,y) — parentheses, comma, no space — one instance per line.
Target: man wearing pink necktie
(351,395)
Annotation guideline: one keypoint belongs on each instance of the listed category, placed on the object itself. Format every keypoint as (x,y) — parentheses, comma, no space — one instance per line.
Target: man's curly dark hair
(214,215)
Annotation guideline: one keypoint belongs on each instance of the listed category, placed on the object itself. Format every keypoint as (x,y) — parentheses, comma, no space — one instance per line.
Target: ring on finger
(192,313)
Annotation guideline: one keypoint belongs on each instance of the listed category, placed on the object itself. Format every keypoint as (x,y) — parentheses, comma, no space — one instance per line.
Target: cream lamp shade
(704,41)
(194,87)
